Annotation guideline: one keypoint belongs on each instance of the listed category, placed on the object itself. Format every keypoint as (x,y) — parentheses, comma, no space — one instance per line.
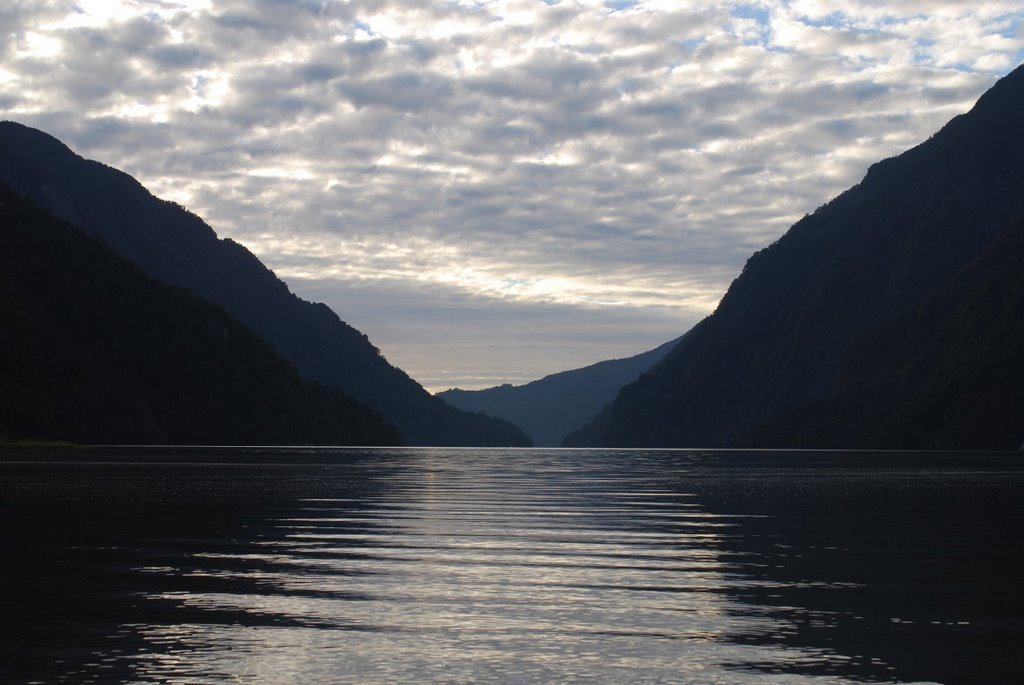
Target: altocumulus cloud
(498,190)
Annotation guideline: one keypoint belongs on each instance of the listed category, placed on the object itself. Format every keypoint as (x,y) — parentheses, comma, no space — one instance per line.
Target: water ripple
(477,566)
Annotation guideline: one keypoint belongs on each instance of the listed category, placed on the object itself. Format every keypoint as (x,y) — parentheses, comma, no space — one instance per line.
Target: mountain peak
(177,247)
(783,334)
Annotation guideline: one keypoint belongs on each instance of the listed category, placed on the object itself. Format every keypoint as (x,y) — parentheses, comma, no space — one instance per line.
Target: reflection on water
(512,566)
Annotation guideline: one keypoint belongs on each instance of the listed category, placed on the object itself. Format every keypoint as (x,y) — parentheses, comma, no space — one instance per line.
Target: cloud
(579,158)
(481,342)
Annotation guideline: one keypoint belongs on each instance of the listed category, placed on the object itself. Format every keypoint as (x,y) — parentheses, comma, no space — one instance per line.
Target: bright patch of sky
(496,191)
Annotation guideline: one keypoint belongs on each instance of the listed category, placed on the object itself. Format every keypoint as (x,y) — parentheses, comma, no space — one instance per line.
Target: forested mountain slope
(949,374)
(550,408)
(176,247)
(790,327)
(96,351)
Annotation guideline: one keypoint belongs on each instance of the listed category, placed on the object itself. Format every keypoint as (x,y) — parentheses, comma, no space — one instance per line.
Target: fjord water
(200,565)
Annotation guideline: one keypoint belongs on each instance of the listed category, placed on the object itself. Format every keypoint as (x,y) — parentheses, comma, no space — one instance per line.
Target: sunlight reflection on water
(470,566)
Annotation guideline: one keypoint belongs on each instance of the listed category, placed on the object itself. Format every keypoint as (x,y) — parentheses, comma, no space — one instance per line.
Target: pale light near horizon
(495,191)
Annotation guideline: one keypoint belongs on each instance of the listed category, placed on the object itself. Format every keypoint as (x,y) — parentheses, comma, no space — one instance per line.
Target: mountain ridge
(177,247)
(549,408)
(97,351)
(780,336)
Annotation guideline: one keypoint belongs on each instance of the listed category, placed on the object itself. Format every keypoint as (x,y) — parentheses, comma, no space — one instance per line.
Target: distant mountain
(94,350)
(850,308)
(549,408)
(176,247)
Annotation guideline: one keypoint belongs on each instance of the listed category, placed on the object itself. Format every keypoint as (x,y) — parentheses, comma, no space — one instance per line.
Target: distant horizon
(497,193)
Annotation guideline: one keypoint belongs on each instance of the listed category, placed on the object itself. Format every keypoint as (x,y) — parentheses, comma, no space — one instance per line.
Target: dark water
(510,566)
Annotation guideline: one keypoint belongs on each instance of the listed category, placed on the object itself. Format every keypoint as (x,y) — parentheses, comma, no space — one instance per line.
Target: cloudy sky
(494,191)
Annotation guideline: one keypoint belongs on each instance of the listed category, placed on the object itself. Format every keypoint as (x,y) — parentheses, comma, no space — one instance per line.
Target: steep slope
(781,335)
(96,351)
(949,375)
(549,408)
(176,247)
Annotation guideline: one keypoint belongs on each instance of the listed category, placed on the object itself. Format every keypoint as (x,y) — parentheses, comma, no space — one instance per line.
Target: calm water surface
(199,565)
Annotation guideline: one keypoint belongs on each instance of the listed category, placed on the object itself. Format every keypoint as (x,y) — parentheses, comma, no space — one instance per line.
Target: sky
(495,191)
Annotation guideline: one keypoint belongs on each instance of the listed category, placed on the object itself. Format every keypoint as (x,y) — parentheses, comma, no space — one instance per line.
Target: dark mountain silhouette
(176,247)
(845,295)
(96,351)
(549,408)
(949,374)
